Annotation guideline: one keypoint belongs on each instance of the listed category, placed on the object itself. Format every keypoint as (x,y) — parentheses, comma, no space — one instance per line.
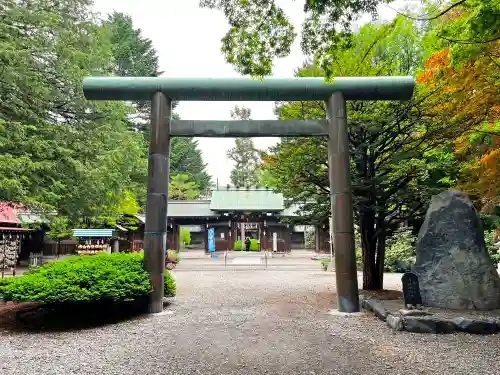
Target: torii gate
(163,90)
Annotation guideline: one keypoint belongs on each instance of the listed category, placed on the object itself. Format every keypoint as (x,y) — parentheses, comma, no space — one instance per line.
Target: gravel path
(249,322)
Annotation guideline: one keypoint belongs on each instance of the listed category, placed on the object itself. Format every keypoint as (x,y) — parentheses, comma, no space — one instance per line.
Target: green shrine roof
(231,200)
(190,209)
(242,199)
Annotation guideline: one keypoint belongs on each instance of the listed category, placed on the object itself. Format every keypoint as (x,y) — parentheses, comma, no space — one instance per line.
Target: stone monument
(453,266)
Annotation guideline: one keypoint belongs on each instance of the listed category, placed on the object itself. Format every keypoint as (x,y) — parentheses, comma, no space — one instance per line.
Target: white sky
(187,40)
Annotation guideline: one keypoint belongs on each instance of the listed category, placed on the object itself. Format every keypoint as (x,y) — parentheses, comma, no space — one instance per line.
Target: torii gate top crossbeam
(247,89)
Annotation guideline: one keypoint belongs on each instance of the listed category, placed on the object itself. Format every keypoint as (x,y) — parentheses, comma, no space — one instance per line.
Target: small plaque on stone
(411,290)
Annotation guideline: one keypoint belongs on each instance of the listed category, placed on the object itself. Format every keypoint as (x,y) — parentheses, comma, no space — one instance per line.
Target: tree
(59,229)
(244,154)
(181,188)
(260,31)
(58,151)
(186,158)
(185,236)
(398,158)
(461,86)
(133,56)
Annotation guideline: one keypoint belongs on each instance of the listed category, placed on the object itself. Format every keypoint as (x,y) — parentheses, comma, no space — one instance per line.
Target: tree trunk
(368,246)
(58,247)
(381,237)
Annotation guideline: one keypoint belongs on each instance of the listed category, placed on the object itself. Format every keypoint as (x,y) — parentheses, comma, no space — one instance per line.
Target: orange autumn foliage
(465,100)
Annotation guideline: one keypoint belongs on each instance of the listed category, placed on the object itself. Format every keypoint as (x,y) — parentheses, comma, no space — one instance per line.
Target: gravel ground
(248,322)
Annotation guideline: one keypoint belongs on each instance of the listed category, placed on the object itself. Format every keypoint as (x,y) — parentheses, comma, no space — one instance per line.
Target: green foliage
(103,278)
(399,158)
(244,155)
(174,254)
(3,284)
(181,188)
(59,228)
(490,222)
(237,245)
(186,158)
(254,245)
(490,239)
(60,152)
(260,31)
(359,259)
(185,236)
(400,249)
(170,286)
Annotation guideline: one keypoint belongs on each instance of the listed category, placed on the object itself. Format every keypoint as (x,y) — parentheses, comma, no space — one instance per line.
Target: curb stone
(476,326)
(418,321)
(374,305)
(395,322)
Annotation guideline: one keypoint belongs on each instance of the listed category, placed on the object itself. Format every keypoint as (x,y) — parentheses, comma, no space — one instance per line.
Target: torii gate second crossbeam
(163,90)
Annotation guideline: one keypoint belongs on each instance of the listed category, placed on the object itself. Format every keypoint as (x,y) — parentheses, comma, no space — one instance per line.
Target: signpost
(211,241)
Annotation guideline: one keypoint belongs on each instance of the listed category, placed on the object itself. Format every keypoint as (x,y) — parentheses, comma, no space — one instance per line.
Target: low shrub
(173,254)
(254,245)
(491,248)
(400,251)
(237,245)
(102,278)
(169,285)
(3,284)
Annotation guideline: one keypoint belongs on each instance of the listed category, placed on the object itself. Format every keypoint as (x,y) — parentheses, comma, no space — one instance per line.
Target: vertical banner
(211,240)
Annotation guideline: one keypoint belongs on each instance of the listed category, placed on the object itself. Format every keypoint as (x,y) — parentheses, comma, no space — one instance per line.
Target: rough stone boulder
(453,266)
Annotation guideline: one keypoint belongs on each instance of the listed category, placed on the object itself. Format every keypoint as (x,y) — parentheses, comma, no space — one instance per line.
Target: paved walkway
(249,322)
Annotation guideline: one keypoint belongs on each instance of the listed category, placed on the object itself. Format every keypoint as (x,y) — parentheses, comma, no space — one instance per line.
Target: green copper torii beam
(163,90)
(247,89)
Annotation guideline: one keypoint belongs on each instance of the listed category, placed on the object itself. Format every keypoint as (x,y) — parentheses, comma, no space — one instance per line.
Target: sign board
(411,289)
(275,241)
(248,226)
(211,239)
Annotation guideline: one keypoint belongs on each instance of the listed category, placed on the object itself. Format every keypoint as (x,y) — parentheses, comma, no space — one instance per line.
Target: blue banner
(211,239)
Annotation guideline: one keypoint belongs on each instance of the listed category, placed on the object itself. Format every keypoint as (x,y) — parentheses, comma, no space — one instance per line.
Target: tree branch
(442,13)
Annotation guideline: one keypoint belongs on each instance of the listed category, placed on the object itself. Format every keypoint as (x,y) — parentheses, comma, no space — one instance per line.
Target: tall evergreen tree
(186,158)
(244,155)
(59,151)
(134,55)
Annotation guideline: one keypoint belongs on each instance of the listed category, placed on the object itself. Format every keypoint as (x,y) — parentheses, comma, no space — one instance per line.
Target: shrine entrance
(163,90)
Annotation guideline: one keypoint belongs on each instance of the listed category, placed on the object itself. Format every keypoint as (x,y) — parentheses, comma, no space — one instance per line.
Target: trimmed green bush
(254,245)
(101,278)
(169,286)
(237,245)
(3,284)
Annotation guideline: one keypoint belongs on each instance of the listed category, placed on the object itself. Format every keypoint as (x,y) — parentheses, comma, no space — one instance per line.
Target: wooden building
(238,213)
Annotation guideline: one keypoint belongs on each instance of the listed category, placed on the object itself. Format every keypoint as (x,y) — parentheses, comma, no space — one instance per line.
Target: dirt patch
(296,304)
(383,294)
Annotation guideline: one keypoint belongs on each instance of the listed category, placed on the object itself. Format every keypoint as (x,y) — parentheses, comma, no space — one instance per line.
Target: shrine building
(236,214)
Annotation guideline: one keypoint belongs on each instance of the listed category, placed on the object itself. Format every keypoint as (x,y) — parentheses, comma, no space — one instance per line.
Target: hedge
(102,278)
(254,245)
